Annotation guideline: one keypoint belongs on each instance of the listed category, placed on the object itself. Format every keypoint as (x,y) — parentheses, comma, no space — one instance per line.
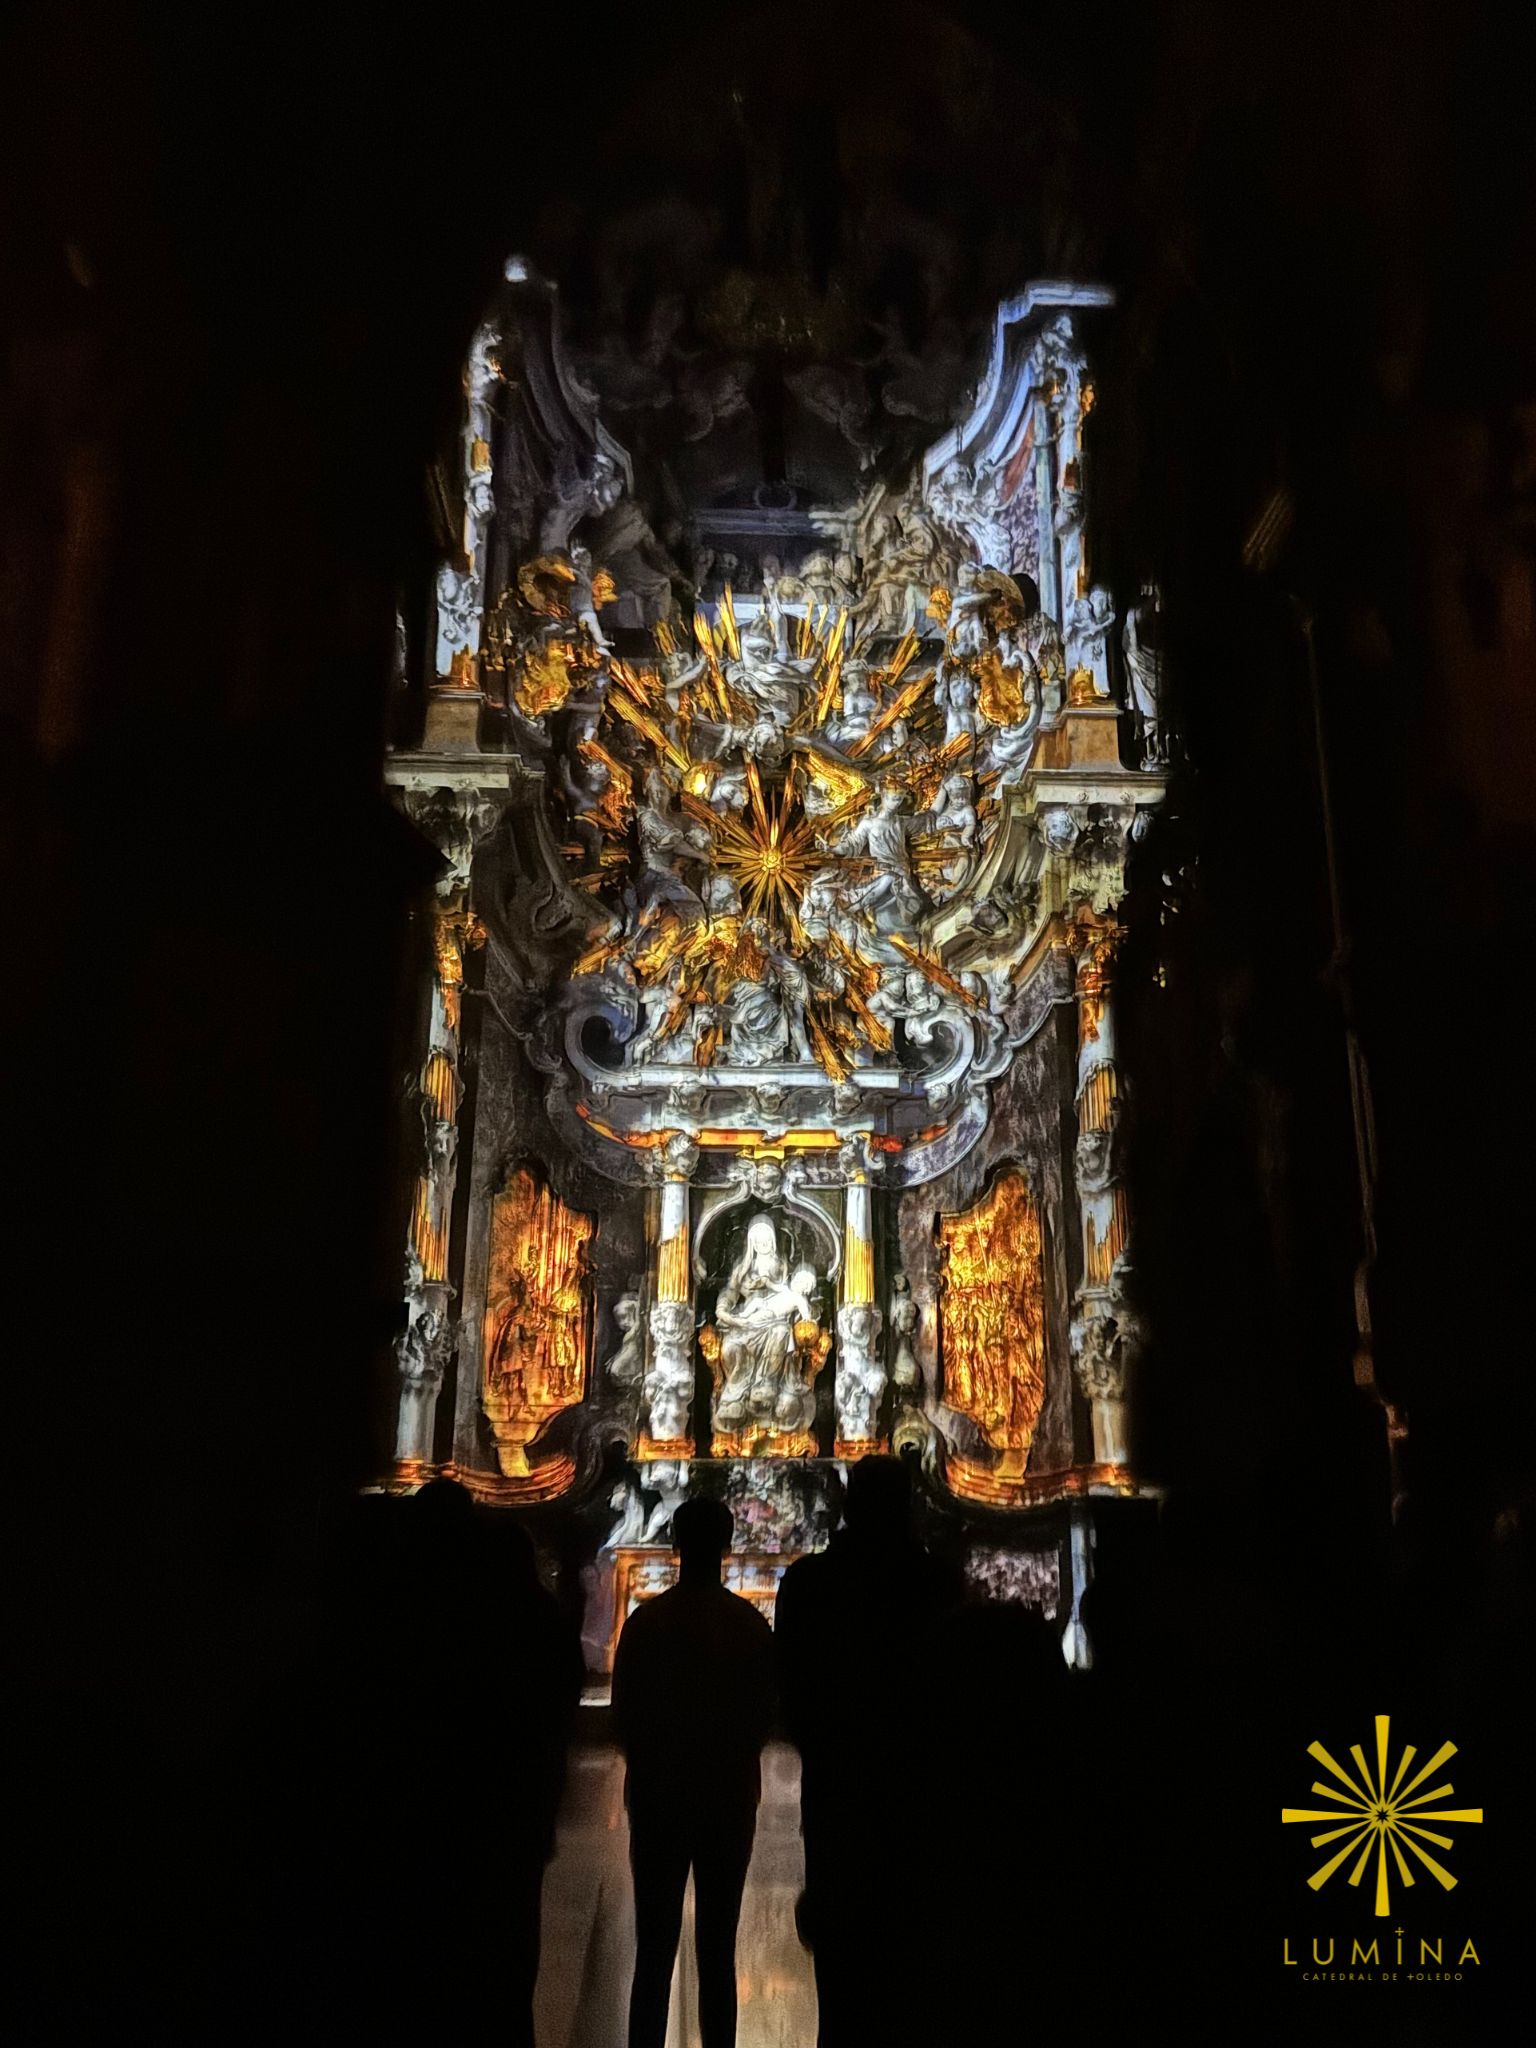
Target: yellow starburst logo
(1374,1816)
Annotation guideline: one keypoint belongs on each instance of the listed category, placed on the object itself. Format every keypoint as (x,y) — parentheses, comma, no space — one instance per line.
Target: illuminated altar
(769,1090)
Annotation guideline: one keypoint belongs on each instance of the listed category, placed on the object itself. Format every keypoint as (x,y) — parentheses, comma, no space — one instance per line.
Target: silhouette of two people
(694,1691)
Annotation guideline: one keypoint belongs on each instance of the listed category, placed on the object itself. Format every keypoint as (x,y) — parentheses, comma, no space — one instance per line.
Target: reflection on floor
(589,1928)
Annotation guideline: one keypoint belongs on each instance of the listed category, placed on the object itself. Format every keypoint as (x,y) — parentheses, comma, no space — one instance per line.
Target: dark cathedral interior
(745,744)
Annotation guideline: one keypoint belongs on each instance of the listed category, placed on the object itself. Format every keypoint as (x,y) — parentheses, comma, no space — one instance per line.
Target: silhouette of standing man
(860,1633)
(693,1695)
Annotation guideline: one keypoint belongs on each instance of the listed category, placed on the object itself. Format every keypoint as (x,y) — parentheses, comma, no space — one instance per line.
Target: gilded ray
(899,705)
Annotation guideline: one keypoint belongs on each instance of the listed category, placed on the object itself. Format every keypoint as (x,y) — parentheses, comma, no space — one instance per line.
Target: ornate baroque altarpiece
(769,1089)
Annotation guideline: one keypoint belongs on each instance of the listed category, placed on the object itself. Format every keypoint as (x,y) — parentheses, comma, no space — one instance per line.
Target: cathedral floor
(588,1930)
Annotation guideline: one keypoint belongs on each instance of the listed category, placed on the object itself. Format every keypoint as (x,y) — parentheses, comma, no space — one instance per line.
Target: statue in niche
(1140,643)
(765,1319)
(626,1367)
(1089,624)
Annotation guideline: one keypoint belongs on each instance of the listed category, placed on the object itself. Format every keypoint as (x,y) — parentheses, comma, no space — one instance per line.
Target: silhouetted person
(534,1667)
(859,1632)
(459,1648)
(693,1700)
(1000,1722)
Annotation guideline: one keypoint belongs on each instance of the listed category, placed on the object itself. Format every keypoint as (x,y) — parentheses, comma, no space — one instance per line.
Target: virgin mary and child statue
(763,1381)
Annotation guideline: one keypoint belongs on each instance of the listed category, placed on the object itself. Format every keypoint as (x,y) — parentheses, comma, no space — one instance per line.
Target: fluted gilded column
(668,1389)
(860,1377)
(1098,1354)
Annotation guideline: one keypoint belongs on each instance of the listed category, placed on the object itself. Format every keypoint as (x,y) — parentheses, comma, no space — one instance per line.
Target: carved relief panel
(536,1321)
(992,1320)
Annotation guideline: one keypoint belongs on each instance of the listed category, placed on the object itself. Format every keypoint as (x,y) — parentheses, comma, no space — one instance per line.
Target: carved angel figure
(860,1375)
(669,1383)
(889,896)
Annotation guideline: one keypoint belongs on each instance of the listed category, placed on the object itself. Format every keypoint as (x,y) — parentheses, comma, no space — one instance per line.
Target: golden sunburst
(1373,1816)
(770,852)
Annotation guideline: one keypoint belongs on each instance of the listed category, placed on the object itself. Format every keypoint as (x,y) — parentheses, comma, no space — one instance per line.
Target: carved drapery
(536,1335)
(992,1320)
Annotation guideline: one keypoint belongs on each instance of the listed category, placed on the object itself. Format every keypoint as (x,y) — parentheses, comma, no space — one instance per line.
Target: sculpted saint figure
(954,821)
(1141,645)
(889,896)
(766,1006)
(775,686)
(756,1316)
(664,841)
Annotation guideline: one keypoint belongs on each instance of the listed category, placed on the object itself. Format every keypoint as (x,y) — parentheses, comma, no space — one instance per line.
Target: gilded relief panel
(535,1316)
(992,1319)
